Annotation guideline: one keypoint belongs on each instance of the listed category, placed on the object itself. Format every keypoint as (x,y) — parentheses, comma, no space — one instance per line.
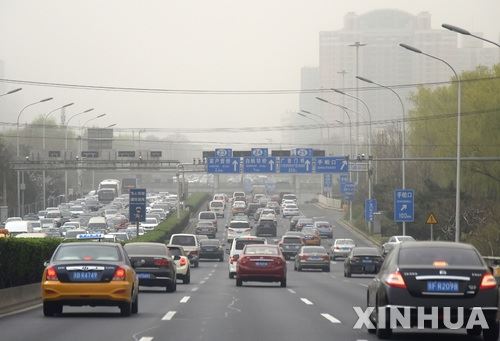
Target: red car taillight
(51,274)
(182,261)
(161,262)
(395,280)
(120,274)
(488,282)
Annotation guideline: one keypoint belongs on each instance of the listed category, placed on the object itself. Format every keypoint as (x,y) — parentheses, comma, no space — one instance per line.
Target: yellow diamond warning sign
(431,219)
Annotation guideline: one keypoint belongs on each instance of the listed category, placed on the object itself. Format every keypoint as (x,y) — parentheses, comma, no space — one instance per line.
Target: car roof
(144,243)
(435,244)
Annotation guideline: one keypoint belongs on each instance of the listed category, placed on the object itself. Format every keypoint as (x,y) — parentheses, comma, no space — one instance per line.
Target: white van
(208,216)
(218,207)
(97,224)
(18,226)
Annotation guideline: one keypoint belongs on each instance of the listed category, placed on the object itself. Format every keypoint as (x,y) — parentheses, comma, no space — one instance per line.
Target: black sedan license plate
(442,286)
(85,276)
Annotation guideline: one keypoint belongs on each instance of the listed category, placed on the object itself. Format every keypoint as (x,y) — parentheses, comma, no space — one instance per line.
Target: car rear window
(240,244)
(428,256)
(72,252)
(239,225)
(184,240)
(216,204)
(150,250)
(292,240)
(207,215)
(261,250)
(175,251)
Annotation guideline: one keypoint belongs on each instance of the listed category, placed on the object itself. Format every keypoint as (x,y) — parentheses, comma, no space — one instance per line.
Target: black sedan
(153,264)
(446,280)
(211,249)
(362,260)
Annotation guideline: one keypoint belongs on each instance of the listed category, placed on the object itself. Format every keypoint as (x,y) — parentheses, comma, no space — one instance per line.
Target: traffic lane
(256,311)
(99,323)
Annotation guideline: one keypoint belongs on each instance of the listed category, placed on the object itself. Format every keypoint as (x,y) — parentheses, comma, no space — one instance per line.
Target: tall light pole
(467,33)
(357,45)
(11,92)
(345,109)
(111,125)
(312,119)
(403,134)
(459,121)
(343,73)
(19,211)
(83,126)
(44,118)
(66,149)
(321,118)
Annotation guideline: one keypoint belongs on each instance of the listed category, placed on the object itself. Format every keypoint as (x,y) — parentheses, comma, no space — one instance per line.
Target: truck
(111,183)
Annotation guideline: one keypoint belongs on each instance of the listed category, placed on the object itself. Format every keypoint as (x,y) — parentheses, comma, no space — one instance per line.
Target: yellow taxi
(311,236)
(89,274)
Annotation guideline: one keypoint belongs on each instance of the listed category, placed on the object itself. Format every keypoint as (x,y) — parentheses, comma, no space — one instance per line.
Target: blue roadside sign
(260,152)
(370,209)
(331,164)
(259,164)
(295,164)
(343,178)
(137,199)
(348,189)
(223,165)
(223,152)
(327,181)
(404,205)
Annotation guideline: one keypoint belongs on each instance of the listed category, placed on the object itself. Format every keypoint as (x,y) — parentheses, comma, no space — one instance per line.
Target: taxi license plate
(143,275)
(442,286)
(87,276)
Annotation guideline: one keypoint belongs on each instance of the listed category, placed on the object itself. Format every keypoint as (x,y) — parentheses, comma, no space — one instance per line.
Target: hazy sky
(185,44)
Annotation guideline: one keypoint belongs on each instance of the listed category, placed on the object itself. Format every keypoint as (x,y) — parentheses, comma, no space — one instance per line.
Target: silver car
(341,248)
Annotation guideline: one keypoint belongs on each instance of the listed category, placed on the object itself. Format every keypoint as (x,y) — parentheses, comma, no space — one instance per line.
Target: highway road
(314,306)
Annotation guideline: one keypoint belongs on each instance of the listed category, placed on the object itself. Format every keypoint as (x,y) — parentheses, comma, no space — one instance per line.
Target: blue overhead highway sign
(404,205)
(137,199)
(295,164)
(223,165)
(259,164)
(370,209)
(260,152)
(223,152)
(331,164)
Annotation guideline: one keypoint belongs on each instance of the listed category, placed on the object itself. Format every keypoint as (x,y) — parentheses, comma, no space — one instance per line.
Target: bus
(106,195)
(127,184)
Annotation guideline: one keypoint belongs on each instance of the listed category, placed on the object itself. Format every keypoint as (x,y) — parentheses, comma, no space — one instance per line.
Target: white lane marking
(185,299)
(146,338)
(168,316)
(292,291)
(330,318)
(206,278)
(15,312)
(346,280)
(202,282)
(210,274)
(194,289)
(333,276)
(333,262)
(363,285)
(216,265)
(306,301)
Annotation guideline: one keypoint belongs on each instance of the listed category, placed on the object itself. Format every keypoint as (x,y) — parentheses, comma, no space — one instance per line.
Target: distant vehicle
(217,206)
(311,236)
(303,222)
(274,205)
(190,244)
(264,263)
(312,257)
(325,229)
(46,223)
(237,247)
(290,245)
(211,249)
(76,210)
(127,184)
(56,216)
(120,236)
(97,224)
(182,263)
(363,260)
(341,248)
(239,196)
(252,208)
(238,206)
(266,226)
(31,217)
(106,195)
(289,196)
(290,210)
(208,216)
(71,234)
(393,241)
(18,226)
(149,224)
(205,228)
(238,228)
(71,225)
(41,214)
(110,183)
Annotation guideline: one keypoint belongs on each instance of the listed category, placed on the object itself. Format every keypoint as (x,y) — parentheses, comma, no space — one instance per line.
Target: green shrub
(21,260)
(196,201)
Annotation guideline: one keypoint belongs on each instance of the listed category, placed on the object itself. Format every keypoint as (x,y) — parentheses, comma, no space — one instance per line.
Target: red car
(261,263)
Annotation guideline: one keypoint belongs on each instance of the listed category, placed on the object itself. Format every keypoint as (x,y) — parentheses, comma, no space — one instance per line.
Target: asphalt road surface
(314,306)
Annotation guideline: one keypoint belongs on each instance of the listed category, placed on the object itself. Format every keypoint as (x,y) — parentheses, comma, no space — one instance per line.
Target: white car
(218,207)
(76,210)
(290,210)
(110,213)
(238,228)
(341,248)
(149,224)
(190,244)
(208,216)
(182,263)
(70,225)
(393,241)
(237,248)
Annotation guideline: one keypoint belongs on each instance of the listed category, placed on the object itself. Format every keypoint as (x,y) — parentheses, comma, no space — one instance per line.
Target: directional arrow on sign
(344,165)
(235,165)
(271,164)
(404,208)
(307,163)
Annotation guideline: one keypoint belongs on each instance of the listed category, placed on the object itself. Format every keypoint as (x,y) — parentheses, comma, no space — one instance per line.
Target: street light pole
(11,92)
(403,133)
(459,124)
(467,33)
(66,149)
(19,211)
(321,118)
(343,73)
(357,45)
(312,119)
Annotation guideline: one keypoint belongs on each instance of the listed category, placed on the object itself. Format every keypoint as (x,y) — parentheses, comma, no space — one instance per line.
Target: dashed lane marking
(333,276)
(194,289)
(330,318)
(292,291)
(306,301)
(202,282)
(185,299)
(168,316)
(333,262)
(363,285)
(146,338)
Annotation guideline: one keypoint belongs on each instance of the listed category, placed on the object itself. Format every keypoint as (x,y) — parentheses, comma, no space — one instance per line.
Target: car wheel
(221,259)
(239,282)
(125,309)
(51,308)
(283,283)
(135,305)
(171,287)
(384,332)
(299,268)
(326,269)
(231,275)
(196,264)
(491,334)
(187,278)
(348,273)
